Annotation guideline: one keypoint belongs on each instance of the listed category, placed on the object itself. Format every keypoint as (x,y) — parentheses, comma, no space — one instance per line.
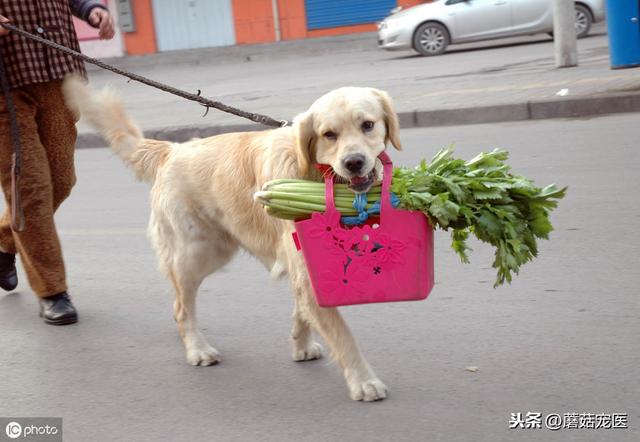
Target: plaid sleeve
(82,8)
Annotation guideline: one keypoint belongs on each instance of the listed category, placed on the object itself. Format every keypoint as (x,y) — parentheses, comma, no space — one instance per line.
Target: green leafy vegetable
(478,197)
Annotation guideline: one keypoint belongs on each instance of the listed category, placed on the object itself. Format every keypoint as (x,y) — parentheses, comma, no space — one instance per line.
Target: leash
(257,118)
(17,215)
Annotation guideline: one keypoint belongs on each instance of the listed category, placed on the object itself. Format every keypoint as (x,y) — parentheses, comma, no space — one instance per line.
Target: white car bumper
(394,39)
(598,13)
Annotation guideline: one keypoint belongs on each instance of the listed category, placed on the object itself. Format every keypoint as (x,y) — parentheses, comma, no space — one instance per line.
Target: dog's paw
(368,391)
(311,351)
(203,355)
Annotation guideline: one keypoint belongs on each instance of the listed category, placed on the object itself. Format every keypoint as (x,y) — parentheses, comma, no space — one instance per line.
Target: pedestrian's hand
(102,19)
(3,31)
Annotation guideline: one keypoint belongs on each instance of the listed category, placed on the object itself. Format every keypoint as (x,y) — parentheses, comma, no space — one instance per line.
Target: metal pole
(564,33)
(276,19)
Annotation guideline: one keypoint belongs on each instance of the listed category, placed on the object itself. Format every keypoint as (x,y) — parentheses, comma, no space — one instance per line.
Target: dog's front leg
(303,347)
(363,383)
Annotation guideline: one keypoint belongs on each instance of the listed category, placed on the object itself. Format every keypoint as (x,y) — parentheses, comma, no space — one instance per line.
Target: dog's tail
(105,112)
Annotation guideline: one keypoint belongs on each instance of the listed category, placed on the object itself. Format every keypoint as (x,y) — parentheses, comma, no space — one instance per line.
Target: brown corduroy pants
(48,136)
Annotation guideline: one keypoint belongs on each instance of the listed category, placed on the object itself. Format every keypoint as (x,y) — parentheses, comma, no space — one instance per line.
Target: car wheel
(431,39)
(583,21)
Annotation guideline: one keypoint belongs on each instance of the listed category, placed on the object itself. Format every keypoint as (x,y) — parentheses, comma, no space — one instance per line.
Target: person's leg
(6,235)
(7,245)
(38,245)
(8,273)
(57,130)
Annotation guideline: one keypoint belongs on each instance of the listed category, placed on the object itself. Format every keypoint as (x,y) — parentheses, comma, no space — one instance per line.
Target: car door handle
(500,3)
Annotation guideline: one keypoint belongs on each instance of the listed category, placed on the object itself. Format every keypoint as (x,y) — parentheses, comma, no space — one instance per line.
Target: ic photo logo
(13,430)
(31,429)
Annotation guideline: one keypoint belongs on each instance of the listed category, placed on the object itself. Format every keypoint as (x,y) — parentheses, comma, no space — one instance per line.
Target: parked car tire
(583,21)
(431,39)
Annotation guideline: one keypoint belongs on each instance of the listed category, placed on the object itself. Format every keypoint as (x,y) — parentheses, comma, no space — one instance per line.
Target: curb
(573,107)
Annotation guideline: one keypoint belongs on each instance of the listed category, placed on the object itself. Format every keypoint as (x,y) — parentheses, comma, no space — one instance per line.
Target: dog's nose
(354,163)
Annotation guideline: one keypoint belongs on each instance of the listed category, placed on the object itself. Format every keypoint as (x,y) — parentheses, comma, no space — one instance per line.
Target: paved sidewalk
(501,80)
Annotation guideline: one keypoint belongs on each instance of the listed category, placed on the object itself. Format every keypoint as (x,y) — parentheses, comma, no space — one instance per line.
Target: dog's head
(347,129)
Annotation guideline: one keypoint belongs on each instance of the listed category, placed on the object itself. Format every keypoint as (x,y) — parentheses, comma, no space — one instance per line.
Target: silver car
(431,27)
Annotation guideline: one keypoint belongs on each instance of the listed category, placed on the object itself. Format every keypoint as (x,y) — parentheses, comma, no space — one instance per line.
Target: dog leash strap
(257,118)
(17,215)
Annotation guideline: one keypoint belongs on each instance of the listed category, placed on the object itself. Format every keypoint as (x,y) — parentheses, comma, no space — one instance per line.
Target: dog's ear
(305,137)
(390,118)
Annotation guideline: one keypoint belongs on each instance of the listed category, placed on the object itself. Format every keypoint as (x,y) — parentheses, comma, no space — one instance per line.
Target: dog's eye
(330,135)
(367,126)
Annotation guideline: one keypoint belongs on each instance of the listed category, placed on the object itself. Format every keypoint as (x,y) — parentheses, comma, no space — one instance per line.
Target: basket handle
(386,205)
(330,205)
(387,174)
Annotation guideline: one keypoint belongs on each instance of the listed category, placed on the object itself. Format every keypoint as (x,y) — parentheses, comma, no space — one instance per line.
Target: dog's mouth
(362,184)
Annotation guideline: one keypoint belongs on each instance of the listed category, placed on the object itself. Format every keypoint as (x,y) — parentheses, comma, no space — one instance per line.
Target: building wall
(253,22)
(293,21)
(189,24)
(323,14)
(143,39)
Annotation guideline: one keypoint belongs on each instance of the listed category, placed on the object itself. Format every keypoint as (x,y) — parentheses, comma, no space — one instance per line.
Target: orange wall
(341,30)
(253,20)
(293,19)
(409,3)
(143,40)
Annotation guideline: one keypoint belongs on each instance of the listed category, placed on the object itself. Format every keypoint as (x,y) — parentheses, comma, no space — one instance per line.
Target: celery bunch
(479,197)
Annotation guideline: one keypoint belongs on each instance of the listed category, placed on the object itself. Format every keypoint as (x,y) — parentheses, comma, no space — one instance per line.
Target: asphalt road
(562,338)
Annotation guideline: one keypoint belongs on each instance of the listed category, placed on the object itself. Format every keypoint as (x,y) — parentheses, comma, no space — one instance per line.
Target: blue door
(187,24)
(623,22)
(332,13)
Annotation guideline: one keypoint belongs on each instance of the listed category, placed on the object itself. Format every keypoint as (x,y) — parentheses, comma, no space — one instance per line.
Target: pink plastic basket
(386,262)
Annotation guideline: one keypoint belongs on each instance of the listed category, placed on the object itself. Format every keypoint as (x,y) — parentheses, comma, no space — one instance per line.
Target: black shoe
(8,275)
(58,310)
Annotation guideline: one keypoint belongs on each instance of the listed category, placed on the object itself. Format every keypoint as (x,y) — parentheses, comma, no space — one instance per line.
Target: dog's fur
(203,211)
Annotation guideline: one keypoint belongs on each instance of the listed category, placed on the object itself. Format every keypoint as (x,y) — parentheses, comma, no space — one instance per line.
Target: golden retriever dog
(203,211)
